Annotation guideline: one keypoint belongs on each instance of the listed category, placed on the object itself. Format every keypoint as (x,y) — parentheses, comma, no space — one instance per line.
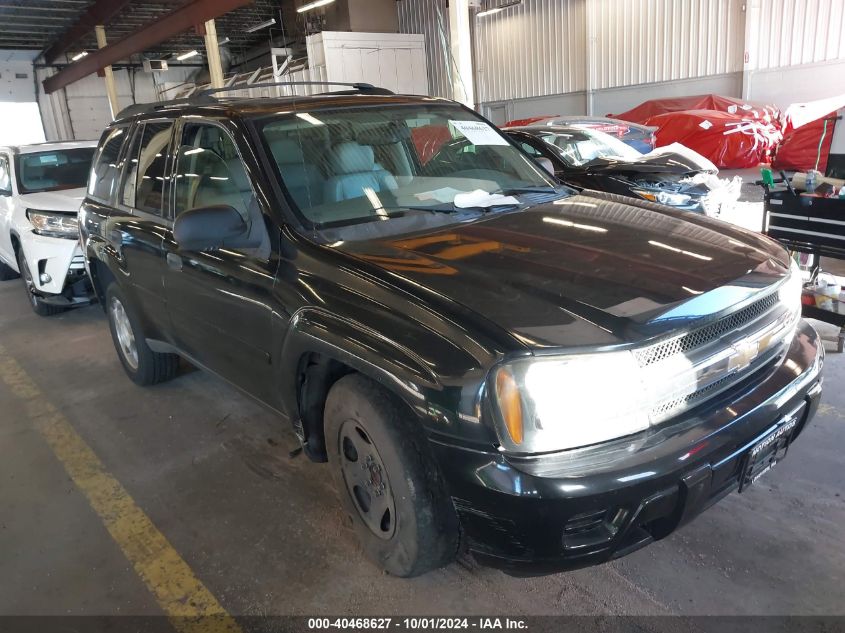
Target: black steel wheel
(366,479)
(387,480)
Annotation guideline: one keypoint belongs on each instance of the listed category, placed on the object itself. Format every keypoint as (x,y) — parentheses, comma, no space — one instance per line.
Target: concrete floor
(263,533)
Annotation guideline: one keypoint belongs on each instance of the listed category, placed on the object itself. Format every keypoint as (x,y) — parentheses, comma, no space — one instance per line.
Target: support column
(212,53)
(753,15)
(111,88)
(460,46)
(590,57)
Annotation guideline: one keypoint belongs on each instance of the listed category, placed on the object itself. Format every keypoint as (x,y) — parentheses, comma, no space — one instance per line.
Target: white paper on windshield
(479,133)
(444,194)
(481,198)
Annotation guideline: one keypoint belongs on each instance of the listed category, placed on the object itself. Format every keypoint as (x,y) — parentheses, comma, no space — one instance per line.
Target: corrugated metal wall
(533,49)
(793,32)
(650,41)
(539,47)
(421,16)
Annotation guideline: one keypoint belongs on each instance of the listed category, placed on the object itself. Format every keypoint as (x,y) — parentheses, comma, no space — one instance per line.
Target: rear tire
(387,480)
(142,365)
(36,303)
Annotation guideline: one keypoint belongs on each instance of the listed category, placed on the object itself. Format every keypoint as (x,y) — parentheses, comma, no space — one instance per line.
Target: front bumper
(584,507)
(62,261)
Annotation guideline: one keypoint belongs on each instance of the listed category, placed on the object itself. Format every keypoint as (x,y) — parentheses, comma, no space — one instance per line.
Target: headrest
(287,151)
(351,158)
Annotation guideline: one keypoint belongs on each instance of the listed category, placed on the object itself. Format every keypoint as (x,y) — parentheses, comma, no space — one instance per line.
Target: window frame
(138,129)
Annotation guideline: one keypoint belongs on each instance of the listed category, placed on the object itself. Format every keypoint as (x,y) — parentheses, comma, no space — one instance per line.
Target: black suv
(485,358)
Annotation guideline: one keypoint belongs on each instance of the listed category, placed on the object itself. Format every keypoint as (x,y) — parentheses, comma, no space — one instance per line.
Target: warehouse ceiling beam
(169,25)
(101,12)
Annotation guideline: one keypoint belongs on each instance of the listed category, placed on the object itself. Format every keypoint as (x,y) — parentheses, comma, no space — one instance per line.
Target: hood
(66,200)
(584,271)
(662,163)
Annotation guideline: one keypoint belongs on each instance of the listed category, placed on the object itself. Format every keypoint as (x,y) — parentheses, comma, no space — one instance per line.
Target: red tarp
(806,142)
(428,140)
(730,141)
(529,120)
(649,109)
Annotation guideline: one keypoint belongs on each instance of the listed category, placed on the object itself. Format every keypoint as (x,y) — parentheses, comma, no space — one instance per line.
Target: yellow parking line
(190,606)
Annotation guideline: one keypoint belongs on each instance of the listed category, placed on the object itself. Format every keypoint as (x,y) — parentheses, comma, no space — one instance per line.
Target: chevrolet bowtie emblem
(744,354)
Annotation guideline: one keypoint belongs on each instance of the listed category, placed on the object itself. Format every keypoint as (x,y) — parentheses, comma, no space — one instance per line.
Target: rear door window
(105,169)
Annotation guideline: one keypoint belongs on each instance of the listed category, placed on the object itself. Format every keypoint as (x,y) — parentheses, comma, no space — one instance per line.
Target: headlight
(664,197)
(790,292)
(54,223)
(554,404)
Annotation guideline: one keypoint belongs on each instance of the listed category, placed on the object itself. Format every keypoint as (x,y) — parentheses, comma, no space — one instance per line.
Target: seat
(303,180)
(355,170)
(219,185)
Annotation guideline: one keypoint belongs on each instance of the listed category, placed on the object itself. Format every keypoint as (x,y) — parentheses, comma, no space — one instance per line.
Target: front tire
(142,365)
(387,481)
(36,303)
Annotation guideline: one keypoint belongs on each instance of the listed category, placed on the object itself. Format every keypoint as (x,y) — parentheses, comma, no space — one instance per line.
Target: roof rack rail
(364,88)
(207,95)
(143,108)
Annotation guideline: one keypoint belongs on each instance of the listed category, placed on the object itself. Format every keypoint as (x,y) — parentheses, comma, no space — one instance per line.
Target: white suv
(41,188)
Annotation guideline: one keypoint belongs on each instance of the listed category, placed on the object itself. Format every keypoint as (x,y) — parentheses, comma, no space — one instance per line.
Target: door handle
(174,261)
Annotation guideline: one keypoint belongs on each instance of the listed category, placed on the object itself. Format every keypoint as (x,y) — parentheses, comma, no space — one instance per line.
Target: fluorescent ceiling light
(187,55)
(310,118)
(79,56)
(313,5)
(263,25)
(501,7)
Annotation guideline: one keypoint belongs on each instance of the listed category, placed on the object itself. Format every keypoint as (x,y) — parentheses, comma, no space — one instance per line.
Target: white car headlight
(54,223)
(790,292)
(673,199)
(569,401)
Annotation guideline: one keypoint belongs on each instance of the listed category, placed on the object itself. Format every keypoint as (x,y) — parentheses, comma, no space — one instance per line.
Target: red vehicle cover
(428,140)
(730,141)
(529,120)
(730,105)
(806,140)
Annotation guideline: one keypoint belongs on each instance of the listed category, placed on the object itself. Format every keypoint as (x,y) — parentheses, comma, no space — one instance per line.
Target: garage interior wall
(545,57)
(800,50)
(81,110)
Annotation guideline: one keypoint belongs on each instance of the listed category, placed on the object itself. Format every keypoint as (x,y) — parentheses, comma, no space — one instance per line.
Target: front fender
(399,369)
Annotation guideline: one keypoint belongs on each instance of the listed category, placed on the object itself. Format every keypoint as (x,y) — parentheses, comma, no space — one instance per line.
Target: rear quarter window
(105,169)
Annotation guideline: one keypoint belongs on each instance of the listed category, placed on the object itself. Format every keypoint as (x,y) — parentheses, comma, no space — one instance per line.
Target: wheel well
(16,244)
(316,373)
(101,276)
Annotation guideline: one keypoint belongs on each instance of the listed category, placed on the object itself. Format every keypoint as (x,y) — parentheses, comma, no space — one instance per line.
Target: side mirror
(205,228)
(546,164)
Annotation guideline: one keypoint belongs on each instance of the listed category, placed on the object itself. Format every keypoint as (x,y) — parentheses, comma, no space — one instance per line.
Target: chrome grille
(703,335)
(77,263)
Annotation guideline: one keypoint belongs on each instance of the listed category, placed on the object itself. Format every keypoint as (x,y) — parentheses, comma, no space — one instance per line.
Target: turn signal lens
(510,404)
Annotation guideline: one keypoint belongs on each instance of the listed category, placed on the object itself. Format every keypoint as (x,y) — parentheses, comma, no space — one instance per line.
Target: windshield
(377,165)
(54,170)
(582,146)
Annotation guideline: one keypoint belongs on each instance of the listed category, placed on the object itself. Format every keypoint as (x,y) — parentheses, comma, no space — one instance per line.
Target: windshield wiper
(517,190)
